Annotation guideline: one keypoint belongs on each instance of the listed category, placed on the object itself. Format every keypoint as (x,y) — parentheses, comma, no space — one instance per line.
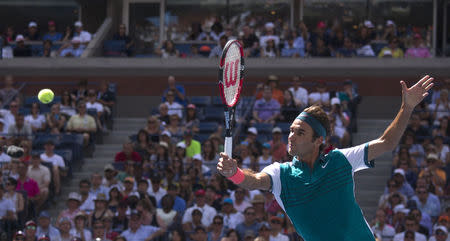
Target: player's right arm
(228,167)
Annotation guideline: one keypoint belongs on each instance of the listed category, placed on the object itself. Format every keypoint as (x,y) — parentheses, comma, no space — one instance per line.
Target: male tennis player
(317,191)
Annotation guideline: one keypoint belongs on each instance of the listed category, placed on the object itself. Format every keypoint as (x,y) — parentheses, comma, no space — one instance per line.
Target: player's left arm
(391,136)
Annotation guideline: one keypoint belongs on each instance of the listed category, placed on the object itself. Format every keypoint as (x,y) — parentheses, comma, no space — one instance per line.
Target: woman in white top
(80,230)
(270,50)
(266,158)
(7,51)
(166,216)
(35,119)
(12,195)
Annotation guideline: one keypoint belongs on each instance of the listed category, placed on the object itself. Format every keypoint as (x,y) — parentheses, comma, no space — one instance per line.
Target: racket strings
(232,74)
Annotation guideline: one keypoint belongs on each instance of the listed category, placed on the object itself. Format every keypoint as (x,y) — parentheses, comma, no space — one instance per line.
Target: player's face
(300,140)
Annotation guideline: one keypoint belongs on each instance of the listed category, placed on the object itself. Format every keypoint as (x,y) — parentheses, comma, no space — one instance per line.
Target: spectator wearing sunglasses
(276,224)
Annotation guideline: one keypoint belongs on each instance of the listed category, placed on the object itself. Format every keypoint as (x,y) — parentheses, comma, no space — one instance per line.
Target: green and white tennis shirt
(321,202)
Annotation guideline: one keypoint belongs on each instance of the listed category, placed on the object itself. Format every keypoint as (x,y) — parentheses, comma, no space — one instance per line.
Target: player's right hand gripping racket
(231,76)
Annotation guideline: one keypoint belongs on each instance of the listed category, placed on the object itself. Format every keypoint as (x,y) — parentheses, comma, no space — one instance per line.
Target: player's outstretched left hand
(414,95)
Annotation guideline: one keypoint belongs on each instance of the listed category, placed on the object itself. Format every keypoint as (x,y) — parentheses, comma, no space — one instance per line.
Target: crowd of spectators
(414,205)
(278,39)
(70,43)
(30,184)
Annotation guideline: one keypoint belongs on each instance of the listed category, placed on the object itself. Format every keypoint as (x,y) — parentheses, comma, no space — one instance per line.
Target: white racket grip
(228,145)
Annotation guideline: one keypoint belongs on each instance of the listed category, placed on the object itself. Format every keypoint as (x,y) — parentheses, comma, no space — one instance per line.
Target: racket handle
(228,147)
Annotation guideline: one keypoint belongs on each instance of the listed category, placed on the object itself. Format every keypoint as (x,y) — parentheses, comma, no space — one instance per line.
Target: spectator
(156,190)
(174,107)
(122,36)
(197,32)
(67,106)
(45,228)
(25,183)
(8,93)
(231,217)
(68,34)
(97,186)
(107,98)
(278,147)
(139,232)
(177,90)
(30,230)
(84,36)
(48,49)
(92,104)
(337,39)
(249,224)
(289,110)
(82,123)
(75,49)
(15,197)
(10,34)
(73,207)
(427,202)
(80,93)
(208,211)
(381,228)
(58,164)
(64,227)
(52,35)
(199,234)
(163,115)
(128,154)
(7,50)
(442,106)
(217,50)
(432,169)
(365,50)
(193,147)
(300,94)
(21,50)
(175,128)
(270,49)
(179,204)
(276,229)
(440,234)
(5,160)
(423,220)
(79,228)
(418,50)
(341,122)
(217,231)
(20,130)
(392,50)
(41,174)
(55,120)
(411,225)
(269,36)
(267,109)
(191,121)
(35,119)
(266,158)
(363,36)
(166,215)
(347,50)
(404,187)
(441,148)
(389,31)
(318,49)
(87,200)
(100,211)
(168,50)
(210,156)
(251,41)
(7,211)
(32,34)
(290,50)
(321,96)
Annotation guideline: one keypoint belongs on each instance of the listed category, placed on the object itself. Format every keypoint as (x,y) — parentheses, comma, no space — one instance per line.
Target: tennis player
(315,190)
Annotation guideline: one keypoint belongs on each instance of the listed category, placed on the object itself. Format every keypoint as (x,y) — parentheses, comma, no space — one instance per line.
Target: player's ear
(318,141)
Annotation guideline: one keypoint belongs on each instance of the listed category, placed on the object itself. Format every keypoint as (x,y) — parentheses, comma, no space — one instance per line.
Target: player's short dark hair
(319,114)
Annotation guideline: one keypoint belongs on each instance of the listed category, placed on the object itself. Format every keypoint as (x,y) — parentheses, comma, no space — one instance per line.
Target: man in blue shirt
(315,190)
(138,232)
(52,34)
(178,90)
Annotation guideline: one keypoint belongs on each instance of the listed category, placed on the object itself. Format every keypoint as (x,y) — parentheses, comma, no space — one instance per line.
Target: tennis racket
(231,76)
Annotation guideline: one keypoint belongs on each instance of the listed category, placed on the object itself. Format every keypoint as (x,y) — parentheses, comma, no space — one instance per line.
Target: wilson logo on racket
(232,76)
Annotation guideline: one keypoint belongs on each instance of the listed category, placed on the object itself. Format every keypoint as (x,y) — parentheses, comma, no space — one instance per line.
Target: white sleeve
(60,161)
(273,170)
(357,157)
(187,217)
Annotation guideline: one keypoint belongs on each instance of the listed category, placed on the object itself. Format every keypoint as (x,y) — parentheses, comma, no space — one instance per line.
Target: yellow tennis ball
(46,96)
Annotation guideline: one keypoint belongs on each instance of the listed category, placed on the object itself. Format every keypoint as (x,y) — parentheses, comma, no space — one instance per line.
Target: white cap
(20,37)
(76,40)
(401,208)
(276,129)
(181,145)
(368,24)
(269,25)
(399,171)
(78,24)
(387,52)
(389,23)
(75,196)
(164,144)
(32,24)
(167,133)
(335,101)
(197,157)
(442,228)
(253,130)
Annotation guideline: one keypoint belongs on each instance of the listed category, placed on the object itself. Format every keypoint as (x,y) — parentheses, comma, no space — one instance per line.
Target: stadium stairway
(370,183)
(104,154)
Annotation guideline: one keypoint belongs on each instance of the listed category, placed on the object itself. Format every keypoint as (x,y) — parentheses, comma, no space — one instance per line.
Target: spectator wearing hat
(52,35)
(253,144)
(128,184)
(82,123)
(191,121)
(266,109)
(21,50)
(138,232)
(79,228)
(404,187)
(73,207)
(382,229)
(440,234)
(74,49)
(231,217)
(411,225)
(64,226)
(87,200)
(427,202)
(46,228)
(269,35)
(122,36)
(85,37)
(276,226)
(19,235)
(207,211)
(263,231)
(418,50)
(32,34)
(258,203)
(277,145)
(192,146)
(389,30)
(109,177)
(321,96)
(30,230)
(341,122)
(128,154)
(300,94)
(101,209)
(392,50)
(57,162)
(432,170)
(249,223)
(177,89)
